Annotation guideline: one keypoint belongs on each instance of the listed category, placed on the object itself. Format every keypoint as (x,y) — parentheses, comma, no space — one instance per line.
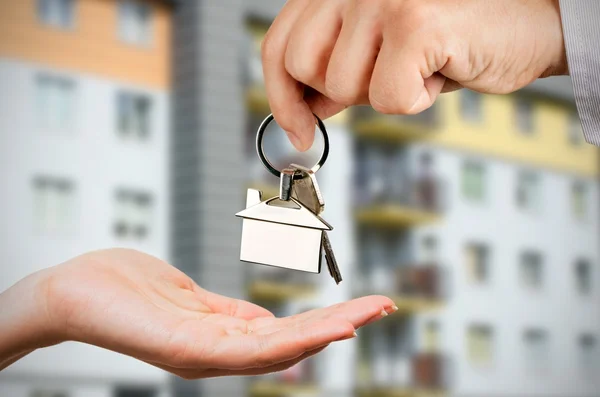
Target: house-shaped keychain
(282,234)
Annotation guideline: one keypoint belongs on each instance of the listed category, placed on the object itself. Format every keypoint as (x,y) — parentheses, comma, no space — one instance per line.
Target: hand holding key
(138,305)
(399,55)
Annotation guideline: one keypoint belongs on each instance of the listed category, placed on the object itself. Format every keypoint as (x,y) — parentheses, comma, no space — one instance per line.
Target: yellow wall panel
(497,135)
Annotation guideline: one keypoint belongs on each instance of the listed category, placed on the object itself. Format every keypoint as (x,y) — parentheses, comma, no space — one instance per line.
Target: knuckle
(369,7)
(340,91)
(386,100)
(416,14)
(268,49)
(302,67)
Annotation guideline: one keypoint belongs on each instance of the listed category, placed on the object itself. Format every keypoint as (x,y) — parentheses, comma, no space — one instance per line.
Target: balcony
(272,284)
(413,289)
(415,202)
(420,375)
(369,124)
(282,389)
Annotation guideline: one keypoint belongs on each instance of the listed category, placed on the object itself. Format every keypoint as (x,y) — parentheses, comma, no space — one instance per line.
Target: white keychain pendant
(287,236)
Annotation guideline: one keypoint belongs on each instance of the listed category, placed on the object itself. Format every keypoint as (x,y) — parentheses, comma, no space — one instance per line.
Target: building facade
(479,217)
(83,129)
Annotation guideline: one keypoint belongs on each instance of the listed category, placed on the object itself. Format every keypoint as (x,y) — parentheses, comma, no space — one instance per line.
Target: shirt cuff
(581,31)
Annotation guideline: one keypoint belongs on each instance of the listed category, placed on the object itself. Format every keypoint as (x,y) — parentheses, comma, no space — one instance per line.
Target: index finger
(285,94)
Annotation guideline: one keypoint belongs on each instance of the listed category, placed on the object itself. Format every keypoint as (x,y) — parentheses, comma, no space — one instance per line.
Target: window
(54,200)
(473,181)
(583,276)
(524,115)
(55,104)
(135,392)
(480,344)
(427,189)
(477,263)
(254,37)
(528,191)
(429,249)
(133,112)
(135,22)
(58,13)
(470,105)
(579,199)
(575,131)
(133,214)
(432,336)
(536,347)
(589,354)
(531,270)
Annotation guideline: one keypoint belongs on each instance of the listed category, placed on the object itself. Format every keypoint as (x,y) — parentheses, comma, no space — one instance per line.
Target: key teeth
(332,266)
(286,181)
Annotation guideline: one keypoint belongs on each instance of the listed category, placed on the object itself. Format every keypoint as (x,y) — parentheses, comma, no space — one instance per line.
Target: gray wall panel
(208,152)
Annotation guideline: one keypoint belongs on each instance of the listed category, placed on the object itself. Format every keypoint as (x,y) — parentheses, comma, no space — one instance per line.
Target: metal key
(286,181)
(306,190)
(334,270)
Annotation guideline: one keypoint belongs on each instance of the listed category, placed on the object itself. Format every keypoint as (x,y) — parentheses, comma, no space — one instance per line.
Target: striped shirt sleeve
(581,31)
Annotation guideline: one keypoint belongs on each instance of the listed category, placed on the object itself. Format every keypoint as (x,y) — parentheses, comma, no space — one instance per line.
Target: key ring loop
(267,163)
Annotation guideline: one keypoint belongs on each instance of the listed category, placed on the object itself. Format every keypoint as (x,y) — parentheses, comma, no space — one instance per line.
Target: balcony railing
(370,124)
(384,202)
(422,374)
(265,388)
(428,371)
(425,281)
(427,117)
(422,193)
(413,288)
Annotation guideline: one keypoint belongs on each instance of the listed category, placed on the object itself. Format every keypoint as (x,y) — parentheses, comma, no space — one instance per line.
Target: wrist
(558,65)
(26,323)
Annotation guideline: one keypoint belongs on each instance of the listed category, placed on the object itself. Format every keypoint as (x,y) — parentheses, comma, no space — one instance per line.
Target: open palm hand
(138,305)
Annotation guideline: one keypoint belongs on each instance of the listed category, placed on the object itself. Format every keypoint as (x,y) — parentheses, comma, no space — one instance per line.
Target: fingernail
(421,102)
(353,335)
(376,318)
(391,310)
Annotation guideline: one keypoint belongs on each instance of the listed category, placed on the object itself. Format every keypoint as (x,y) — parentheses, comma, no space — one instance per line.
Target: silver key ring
(267,163)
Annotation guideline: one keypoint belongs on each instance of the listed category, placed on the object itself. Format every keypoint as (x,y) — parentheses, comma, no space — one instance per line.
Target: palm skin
(138,305)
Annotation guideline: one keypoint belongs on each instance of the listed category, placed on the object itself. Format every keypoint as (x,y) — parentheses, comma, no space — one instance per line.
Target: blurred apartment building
(84,120)
(479,216)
